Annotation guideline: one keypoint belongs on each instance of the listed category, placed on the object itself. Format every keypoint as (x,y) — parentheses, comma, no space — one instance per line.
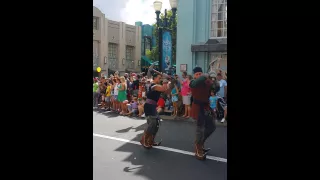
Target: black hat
(197,69)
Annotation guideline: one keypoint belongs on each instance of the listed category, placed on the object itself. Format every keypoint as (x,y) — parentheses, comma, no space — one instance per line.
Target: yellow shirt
(108,91)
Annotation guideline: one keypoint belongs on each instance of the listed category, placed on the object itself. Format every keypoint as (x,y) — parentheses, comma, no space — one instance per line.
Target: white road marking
(161,147)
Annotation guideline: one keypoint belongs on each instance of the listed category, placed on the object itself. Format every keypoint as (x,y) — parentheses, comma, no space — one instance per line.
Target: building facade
(148,41)
(116,45)
(202,35)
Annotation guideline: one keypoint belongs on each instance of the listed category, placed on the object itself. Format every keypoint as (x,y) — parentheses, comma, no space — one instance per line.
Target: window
(129,57)
(219,19)
(95,23)
(146,45)
(95,54)
(112,55)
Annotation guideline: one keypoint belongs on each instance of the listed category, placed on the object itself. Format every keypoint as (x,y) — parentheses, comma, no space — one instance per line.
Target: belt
(150,101)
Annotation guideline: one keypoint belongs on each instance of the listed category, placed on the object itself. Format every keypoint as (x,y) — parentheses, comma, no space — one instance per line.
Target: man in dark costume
(151,114)
(201,111)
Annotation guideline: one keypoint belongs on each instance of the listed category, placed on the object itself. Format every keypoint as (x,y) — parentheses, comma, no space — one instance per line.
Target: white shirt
(116,89)
(223,84)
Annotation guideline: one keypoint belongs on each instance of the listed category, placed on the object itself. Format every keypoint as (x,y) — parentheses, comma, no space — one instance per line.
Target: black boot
(205,149)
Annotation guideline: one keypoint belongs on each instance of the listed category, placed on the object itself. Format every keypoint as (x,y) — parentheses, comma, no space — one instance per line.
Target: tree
(173,30)
(152,55)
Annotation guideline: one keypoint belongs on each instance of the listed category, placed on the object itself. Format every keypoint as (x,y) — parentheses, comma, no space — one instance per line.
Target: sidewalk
(164,117)
(171,118)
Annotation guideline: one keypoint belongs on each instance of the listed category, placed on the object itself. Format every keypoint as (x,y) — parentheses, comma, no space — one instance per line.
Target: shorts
(107,99)
(135,111)
(186,100)
(115,97)
(174,98)
(160,109)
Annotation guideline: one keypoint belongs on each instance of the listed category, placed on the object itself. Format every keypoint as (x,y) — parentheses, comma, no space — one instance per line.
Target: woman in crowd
(174,94)
(186,94)
(115,94)
(122,95)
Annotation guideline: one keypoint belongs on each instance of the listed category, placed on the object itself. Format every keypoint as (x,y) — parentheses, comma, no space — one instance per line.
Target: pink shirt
(185,88)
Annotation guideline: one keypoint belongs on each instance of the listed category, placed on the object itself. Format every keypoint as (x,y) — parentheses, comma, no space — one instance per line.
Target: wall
(99,39)
(192,28)
(146,30)
(128,35)
(120,34)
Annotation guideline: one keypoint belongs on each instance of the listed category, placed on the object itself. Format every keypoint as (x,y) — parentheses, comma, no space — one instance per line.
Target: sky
(130,11)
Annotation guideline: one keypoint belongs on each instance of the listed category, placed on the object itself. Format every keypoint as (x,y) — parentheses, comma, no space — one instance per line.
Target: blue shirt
(223,83)
(174,91)
(213,101)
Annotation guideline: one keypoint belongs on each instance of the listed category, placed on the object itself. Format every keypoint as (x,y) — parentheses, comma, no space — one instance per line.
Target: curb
(170,118)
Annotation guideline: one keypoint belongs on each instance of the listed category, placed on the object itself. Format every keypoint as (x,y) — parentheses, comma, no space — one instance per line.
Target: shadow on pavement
(124,130)
(111,114)
(156,164)
(180,135)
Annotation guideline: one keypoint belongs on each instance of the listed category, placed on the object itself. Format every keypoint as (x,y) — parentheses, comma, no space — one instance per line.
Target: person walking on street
(201,111)
(150,110)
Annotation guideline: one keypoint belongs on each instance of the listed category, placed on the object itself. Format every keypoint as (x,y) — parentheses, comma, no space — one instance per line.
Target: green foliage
(152,55)
(172,28)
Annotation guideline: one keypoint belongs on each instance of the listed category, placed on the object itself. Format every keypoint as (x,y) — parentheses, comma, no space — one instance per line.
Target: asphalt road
(118,155)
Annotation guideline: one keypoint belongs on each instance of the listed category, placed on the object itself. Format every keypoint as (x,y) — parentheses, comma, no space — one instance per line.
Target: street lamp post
(157,7)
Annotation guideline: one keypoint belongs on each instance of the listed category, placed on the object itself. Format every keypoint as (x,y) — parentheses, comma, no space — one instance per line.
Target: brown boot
(144,140)
(199,152)
(150,140)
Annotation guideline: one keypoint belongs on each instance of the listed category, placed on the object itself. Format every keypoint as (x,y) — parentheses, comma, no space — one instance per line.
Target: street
(118,155)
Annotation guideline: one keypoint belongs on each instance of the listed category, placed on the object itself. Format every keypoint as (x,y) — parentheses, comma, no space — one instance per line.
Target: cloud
(141,10)
(130,11)
(111,8)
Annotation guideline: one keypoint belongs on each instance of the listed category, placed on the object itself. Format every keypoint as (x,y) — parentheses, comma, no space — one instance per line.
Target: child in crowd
(213,99)
(160,104)
(133,107)
(174,94)
(141,106)
(108,96)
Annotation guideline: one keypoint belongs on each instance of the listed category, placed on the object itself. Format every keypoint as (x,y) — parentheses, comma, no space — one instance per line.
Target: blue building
(148,41)
(202,35)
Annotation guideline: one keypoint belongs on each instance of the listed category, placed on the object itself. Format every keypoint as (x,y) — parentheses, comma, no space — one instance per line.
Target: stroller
(220,108)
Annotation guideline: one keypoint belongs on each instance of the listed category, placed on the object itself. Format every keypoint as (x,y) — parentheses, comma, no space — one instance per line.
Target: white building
(116,45)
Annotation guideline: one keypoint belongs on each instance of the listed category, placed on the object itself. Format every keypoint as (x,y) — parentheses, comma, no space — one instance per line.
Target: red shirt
(161,102)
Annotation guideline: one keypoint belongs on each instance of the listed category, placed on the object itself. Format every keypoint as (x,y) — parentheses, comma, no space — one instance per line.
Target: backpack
(220,108)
